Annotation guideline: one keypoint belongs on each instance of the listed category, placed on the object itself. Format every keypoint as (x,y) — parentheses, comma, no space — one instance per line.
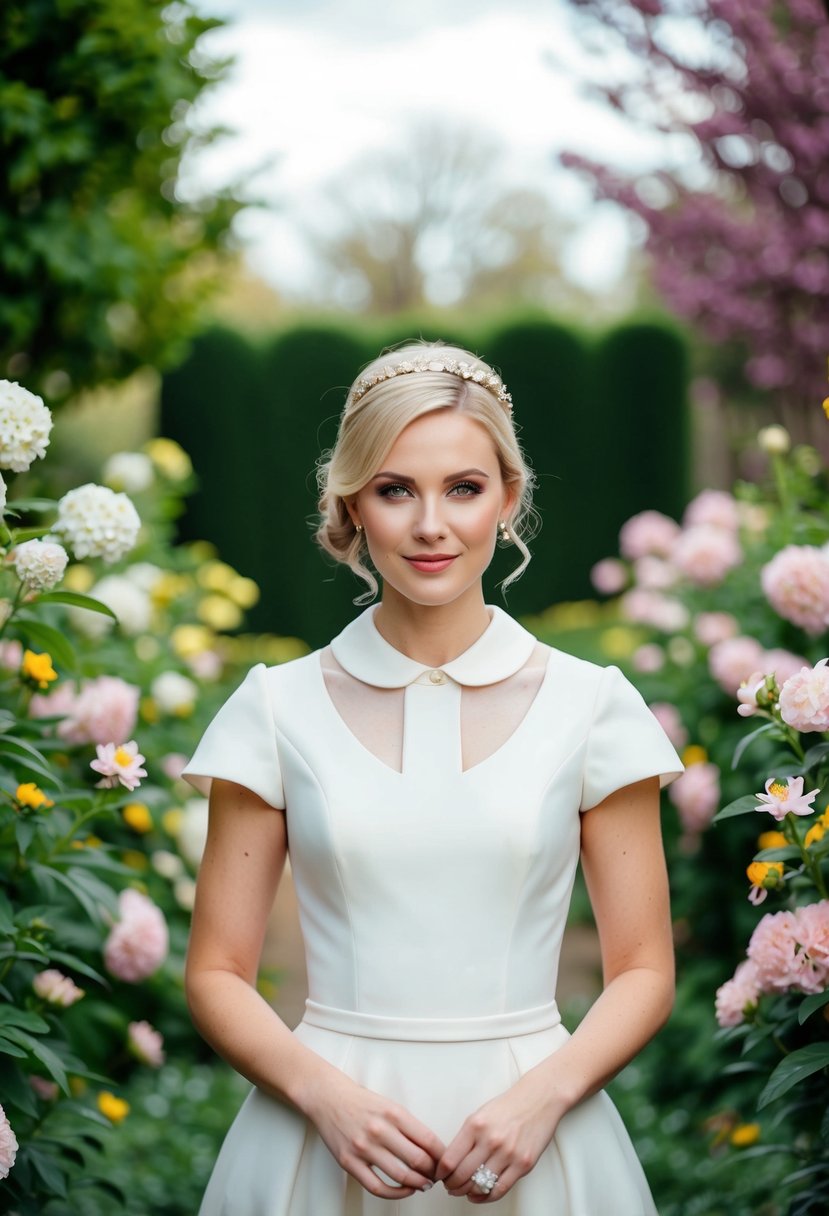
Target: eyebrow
(411,481)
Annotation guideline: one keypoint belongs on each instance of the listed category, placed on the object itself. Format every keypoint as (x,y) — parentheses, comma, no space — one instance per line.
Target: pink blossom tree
(739,234)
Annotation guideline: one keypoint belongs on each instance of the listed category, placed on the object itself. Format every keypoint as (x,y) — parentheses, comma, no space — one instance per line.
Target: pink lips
(431,565)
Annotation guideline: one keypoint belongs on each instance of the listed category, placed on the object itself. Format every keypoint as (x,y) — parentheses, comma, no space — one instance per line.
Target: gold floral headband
(479,375)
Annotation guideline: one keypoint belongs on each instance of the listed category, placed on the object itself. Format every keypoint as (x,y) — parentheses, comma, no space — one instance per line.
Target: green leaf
(52,1177)
(42,1052)
(79,891)
(79,601)
(812,1003)
(739,750)
(740,806)
(24,1018)
(814,754)
(30,504)
(30,758)
(7,1048)
(24,832)
(52,640)
(793,1069)
(786,852)
(6,914)
(15,1088)
(77,964)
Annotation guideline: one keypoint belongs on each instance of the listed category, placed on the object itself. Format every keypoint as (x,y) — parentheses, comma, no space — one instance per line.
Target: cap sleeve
(239,743)
(626,742)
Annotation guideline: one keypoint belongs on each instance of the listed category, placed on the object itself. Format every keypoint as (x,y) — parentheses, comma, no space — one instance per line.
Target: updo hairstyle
(370,426)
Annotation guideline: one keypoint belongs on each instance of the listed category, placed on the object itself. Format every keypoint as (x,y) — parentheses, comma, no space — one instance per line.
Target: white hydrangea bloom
(144,574)
(2,495)
(25,423)
(173,692)
(97,522)
(40,564)
(130,471)
(131,605)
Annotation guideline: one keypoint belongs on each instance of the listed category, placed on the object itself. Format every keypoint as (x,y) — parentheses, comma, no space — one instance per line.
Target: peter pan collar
(501,650)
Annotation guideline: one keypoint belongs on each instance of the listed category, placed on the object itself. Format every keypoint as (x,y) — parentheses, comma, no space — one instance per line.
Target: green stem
(79,821)
(15,604)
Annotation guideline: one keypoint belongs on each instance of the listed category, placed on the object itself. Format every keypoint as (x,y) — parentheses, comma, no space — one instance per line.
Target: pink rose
(145,1043)
(61,701)
(734,660)
(172,764)
(705,554)
(648,658)
(804,698)
(813,933)
(138,943)
(747,694)
(649,532)
(654,574)
(738,994)
(781,965)
(667,716)
(11,654)
(713,509)
(696,795)
(8,1145)
(713,627)
(796,584)
(105,711)
(652,608)
(783,664)
(56,988)
(609,576)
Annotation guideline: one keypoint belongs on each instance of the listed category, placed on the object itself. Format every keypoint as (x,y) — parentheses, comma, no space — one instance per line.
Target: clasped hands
(367,1132)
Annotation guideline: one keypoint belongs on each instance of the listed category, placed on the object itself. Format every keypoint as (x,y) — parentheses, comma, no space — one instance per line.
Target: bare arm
(243,861)
(624,867)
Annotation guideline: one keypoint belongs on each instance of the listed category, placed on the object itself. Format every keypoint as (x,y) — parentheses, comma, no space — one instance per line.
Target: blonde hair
(368,430)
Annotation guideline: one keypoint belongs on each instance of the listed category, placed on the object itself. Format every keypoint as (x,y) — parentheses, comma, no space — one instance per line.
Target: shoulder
(281,678)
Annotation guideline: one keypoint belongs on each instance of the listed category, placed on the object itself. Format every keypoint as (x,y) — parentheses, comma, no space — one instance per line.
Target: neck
(432,634)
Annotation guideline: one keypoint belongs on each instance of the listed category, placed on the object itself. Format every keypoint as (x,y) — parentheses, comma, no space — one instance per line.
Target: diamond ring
(484,1179)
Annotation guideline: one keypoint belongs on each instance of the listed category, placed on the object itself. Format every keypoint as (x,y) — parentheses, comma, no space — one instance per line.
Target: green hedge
(602,418)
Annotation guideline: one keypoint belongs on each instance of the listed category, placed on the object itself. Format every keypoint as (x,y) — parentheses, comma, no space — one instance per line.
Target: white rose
(174,692)
(130,471)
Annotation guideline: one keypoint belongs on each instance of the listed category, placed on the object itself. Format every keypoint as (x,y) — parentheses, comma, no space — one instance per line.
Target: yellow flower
(215,576)
(824,818)
(115,1109)
(29,794)
(169,457)
(137,816)
(826,406)
(618,641)
(243,591)
(219,612)
(771,840)
(78,1086)
(170,586)
(745,1134)
(694,754)
(188,640)
(148,709)
(91,842)
(766,874)
(134,859)
(37,668)
(816,832)
(79,578)
(172,820)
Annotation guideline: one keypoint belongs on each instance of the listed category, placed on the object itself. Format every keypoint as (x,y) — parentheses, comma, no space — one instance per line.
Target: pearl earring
(359,527)
(505,535)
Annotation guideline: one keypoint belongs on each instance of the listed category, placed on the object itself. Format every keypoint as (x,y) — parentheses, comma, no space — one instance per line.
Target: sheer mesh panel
(490,714)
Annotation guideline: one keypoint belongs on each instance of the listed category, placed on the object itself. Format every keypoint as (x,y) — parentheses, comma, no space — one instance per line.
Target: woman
(437,773)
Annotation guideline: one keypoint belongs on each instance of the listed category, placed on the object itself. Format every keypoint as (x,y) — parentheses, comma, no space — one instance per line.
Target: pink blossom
(8,1145)
(738,994)
(705,554)
(609,576)
(712,509)
(713,627)
(804,698)
(105,710)
(11,654)
(138,943)
(649,532)
(145,1043)
(48,1090)
(796,584)
(789,949)
(654,573)
(653,608)
(60,701)
(667,716)
(782,798)
(813,932)
(696,795)
(121,763)
(56,988)
(206,665)
(648,658)
(782,664)
(747,694)
(172,764)
(734,660)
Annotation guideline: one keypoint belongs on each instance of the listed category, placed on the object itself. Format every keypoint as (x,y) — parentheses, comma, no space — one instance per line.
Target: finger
(497,1162)
(422,1136)
(372,1183)
(398,1171)
(505,1182)
(412,1155)
(458,1149)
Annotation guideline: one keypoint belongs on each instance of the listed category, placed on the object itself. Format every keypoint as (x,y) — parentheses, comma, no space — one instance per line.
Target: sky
(317,83)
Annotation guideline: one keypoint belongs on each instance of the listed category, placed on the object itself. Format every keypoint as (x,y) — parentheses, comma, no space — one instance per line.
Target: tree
(103,265)
(431,222)
(739,244)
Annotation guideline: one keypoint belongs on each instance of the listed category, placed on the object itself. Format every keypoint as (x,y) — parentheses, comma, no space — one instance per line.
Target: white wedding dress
(433,823)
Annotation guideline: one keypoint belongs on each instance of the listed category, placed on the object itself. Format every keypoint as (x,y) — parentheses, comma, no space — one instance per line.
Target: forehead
(444,434)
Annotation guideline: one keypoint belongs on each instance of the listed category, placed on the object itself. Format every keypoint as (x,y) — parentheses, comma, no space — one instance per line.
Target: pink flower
(796,584)
(649,532)
(772,950)
(56,988)
(172,764)
(712,627)
(734,660)
(653,608)
(206,665)
(804,698)
(120,763)
(747,694)
(8,1145)
(648,658)
(609,576)
(813,932)
(667,716)
(654,573)
(696,795)
(713,509)
(48,1090)
(705,554)
(11,654)
(783,664)
(105,710)
(145,1043)
(61,701)
(138,943)
(780,799)
(738,995)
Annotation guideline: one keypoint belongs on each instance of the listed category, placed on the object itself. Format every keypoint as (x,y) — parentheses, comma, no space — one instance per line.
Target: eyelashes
(474,487)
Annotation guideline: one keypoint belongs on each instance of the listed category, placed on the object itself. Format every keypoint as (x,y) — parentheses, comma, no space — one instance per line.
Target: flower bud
(775,440)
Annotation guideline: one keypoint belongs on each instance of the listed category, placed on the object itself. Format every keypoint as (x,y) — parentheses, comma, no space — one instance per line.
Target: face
(431,512)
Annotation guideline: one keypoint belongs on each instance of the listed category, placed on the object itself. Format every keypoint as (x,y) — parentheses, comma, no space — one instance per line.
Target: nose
(429,524)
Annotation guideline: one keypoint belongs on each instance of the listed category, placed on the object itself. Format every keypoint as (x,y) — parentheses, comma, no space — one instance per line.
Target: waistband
(443,1030)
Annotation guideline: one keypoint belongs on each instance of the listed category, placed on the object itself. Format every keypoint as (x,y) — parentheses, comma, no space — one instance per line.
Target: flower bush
(722,619)
(95,723)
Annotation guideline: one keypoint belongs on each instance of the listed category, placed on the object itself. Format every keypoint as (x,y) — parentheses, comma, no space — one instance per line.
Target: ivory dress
(433,884)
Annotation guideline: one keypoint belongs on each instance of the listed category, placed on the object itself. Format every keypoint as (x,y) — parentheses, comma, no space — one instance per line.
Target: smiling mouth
(431,563)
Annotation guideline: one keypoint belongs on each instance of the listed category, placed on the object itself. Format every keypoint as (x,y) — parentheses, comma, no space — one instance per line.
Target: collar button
(437,677)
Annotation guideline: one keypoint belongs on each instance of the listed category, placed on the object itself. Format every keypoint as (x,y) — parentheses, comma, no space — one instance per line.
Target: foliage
(738,245)
(104,265)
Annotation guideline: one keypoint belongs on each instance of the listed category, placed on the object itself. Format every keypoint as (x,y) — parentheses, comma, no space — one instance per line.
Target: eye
(387,491)
(470,488)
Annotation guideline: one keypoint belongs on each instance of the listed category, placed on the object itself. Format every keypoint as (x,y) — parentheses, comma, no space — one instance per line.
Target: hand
(362,1129)
(507,1134)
